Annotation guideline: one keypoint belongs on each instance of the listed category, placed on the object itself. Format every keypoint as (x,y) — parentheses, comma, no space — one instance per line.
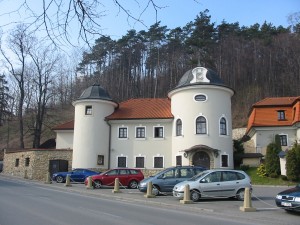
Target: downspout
(109,144)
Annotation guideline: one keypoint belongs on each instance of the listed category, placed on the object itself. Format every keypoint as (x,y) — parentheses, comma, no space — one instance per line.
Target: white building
(270,117)
(193,126)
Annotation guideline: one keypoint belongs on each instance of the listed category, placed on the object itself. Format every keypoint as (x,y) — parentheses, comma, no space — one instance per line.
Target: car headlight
(297,199)
(279,197)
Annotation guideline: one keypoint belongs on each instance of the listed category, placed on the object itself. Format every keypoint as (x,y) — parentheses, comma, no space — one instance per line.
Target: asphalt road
(28,202)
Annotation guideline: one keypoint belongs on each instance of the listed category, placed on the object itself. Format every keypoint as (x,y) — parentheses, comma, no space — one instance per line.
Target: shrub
(283,177)
(261,170)
(273,175)
(292,168)
(272,159)
(244,167)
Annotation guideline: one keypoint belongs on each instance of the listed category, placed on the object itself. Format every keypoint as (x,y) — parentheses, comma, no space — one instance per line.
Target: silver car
(215,183)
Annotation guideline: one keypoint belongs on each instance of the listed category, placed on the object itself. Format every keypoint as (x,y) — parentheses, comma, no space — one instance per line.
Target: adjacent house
(191,126)
(270,117)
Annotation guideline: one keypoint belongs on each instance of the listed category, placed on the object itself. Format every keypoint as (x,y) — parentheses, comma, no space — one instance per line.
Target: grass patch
(252,172)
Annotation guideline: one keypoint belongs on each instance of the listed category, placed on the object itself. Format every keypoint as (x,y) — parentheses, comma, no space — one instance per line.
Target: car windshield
(197,176)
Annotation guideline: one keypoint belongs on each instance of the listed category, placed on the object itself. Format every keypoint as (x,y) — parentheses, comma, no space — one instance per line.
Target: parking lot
(262,201)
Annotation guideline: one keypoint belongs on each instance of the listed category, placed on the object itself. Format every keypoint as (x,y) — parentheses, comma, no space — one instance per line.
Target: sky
(172,13)
(179,12)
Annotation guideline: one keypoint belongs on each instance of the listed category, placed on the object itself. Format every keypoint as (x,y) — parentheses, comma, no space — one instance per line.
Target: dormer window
(281,115)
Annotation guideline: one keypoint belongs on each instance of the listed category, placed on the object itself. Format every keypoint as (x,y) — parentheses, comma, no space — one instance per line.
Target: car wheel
(240,194)
(97,184)
(59,179)
(155,190)
(195,195)
(133,184)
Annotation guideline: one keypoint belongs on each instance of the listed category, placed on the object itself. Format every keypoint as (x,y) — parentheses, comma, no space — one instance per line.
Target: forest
(258,61)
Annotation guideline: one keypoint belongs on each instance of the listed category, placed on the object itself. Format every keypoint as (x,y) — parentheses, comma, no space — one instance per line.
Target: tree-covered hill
(258,61)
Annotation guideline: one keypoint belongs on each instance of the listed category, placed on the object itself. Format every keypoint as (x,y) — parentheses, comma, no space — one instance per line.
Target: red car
(127,177)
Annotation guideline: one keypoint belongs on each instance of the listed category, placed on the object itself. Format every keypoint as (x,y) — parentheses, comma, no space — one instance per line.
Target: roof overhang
(199,147)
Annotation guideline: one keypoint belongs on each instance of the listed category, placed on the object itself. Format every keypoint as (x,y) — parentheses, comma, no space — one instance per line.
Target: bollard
(186,196)
(89,183)
(247,202)
(68,183)
(117,186)
(149,191)
(48,180)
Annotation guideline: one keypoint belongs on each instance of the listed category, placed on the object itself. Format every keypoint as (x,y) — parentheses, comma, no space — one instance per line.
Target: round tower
(202,127)
(91,132)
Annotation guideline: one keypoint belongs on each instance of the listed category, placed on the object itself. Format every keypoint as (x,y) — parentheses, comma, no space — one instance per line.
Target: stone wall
(37,162)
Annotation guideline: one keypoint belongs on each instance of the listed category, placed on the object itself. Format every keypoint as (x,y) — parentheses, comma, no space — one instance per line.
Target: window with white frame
(201,125)
(223,126)
(158,132)
(88,110)
(283,139)
(178,127)
(158,162)
(122,161)
(140,162)
(224,160)
(140,132)
(123,132)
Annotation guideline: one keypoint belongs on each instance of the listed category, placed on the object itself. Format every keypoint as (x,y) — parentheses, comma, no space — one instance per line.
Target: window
(100,160)
(140,132)
(229,176)
(281,115)
(178,160)
(283,140)
(88,110)
(223,127)
(158,162)
(17,162)
(27,161)
(224,159)
(200,98)
(122,132)
(140,162)
(122,161)
(200,125)
(178,127)
(158,132)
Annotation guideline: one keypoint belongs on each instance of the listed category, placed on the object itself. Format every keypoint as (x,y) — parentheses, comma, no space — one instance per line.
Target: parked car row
(202,183)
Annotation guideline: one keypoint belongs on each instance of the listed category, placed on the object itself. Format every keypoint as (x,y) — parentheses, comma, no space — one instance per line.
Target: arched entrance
(201,158)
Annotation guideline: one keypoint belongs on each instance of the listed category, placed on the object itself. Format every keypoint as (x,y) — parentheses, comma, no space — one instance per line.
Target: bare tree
(59,17)
(45,61)
(19,44)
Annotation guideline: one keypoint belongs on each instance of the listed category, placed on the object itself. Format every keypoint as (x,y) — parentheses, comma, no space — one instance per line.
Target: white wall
(64,139)
(217,105)
(91,133)
(148,147)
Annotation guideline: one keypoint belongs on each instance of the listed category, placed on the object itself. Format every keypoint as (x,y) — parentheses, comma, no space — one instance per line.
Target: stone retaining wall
(33,163)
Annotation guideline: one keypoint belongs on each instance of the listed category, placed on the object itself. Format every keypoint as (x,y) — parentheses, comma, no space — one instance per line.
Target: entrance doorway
(58,165)
(201,159)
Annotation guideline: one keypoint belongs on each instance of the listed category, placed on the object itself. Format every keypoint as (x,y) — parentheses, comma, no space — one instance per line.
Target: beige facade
(33,163)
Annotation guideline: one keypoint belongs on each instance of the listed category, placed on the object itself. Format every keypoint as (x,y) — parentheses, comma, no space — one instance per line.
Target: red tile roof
(143,108)
(265,112)
(65,126)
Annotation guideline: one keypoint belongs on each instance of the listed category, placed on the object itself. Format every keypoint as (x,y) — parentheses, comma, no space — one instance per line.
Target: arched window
(178,127)
(223,126)
(201,125)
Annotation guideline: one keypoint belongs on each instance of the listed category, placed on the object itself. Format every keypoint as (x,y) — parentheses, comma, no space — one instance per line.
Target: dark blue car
(289,199)
(76,175)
